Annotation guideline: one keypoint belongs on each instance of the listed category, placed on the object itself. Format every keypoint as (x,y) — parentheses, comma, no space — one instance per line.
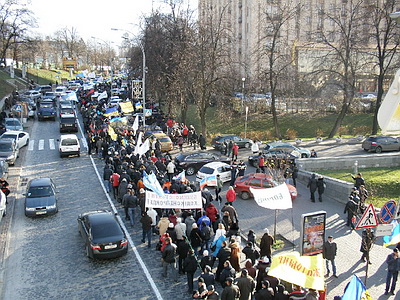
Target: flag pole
(276,212)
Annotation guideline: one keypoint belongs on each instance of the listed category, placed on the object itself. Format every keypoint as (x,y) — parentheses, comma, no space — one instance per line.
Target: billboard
(312,235)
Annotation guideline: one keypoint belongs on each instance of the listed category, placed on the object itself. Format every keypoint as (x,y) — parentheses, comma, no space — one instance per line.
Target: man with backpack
(130,203)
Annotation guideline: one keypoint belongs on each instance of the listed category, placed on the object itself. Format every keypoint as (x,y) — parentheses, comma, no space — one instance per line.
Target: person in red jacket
(261,163)
(235,151)
(211,212)
(185,132)
(231,195)
(114,179)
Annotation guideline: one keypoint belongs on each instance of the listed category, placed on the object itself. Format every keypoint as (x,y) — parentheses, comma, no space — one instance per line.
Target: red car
(258,181)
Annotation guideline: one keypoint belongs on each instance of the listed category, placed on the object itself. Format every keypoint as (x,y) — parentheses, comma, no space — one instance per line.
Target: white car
(69,145)
(215,168)
(60,90)
(21,137)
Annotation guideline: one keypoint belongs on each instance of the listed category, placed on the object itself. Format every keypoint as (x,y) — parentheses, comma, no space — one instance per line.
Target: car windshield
(207,170)
(46,105)
(69,142)
(9,136)
(40,191)
(5,147)
(106,229)
(12,123)
(164,140)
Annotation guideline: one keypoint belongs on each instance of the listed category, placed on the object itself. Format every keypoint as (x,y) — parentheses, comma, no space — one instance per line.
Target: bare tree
(15,20)
(385,34)
(275,51)
(69,42)
(344,42)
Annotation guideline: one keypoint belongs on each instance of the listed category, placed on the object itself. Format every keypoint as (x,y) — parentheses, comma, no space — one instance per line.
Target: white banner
(273,198)
(182,201)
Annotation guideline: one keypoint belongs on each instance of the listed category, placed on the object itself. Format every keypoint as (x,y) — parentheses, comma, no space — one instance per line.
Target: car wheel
(247,145)
(190,171)
(245,195)
(303,155)
(378,150)
(27,142)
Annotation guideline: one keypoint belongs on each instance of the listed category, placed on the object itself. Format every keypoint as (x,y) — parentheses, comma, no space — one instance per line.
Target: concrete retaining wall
(391,159)
(335,188)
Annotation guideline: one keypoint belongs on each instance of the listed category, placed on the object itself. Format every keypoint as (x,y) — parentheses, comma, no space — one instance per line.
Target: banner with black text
(273,198)
(181,201)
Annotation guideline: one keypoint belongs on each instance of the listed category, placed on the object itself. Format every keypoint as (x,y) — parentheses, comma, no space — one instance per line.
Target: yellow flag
(126,107)
(305,271)
(112,133)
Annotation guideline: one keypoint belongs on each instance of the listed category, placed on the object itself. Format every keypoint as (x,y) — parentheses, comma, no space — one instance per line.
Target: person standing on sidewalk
(169,260)
(330,250)
(266,245)
(218,189)
(320,187)
(392,261)
(312,185)
(351,210)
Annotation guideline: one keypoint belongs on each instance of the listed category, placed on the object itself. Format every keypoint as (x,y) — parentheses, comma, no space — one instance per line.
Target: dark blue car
(46,110)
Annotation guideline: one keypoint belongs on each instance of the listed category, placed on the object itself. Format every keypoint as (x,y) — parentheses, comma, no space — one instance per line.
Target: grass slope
(382,183)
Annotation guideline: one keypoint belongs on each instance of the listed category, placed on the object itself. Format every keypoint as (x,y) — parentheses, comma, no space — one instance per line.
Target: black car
(192,162)
(46,110)
(381,143)
(40,198)
(68,123)
(218,141)
(274,154)
(103,235)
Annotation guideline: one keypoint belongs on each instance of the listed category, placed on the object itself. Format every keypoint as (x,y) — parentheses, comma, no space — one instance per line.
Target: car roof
(16,132)
(40,181)
(216,164)
(160,134)
(100,217)
(258,176)
(69,136)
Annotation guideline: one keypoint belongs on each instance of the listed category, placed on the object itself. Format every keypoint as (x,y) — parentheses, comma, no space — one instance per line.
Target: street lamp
(245,122)
(143,74)
(243,80)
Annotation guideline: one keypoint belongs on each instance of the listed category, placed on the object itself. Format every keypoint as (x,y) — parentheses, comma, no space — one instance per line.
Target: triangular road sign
(368,219)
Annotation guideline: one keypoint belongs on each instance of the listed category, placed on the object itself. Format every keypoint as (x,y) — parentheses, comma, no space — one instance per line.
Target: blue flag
(395,237)
(355,289)
(150,181)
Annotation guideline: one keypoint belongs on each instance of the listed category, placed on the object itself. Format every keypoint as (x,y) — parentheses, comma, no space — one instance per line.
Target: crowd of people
(205,240)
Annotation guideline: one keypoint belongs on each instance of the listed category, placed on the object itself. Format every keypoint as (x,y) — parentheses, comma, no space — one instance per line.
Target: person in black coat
(312,185)
(320,187)
(183,249)
(228,271)
(224,254)
(190,267)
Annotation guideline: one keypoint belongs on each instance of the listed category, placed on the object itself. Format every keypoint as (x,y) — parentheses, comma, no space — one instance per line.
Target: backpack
(206,231)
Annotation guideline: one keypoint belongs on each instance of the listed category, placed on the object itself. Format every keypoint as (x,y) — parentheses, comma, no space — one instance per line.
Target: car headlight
(51,206)
(10,156)
(30,208)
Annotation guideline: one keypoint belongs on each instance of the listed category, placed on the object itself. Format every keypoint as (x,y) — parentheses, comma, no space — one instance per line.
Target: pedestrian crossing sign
(368,219)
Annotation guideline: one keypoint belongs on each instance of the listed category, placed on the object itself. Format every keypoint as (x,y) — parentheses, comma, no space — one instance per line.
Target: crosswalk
(49,144)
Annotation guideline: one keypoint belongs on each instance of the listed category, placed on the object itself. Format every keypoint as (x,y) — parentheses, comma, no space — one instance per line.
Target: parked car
(13,124)
(69,145)
(192,162)
(40,197)
(20,137)
(68,123)
(213,169)
(9,150)
(66,104)
(277,153)
(381,143)
(103,235)
(218,141)
(258,181)
(289,148)
(46,110)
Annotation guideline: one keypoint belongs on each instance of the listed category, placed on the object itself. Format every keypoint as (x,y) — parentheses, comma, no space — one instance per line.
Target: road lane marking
(52,145)
(41,145)
(31,145)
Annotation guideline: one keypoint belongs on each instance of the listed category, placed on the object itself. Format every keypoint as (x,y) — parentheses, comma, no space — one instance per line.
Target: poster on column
(181,201)
(312,233)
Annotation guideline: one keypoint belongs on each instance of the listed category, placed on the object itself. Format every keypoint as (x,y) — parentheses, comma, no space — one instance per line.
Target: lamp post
(245,122)
(243,80)
(143,74)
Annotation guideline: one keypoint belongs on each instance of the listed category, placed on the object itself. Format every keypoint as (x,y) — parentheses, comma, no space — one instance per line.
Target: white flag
(135,125)
(144,147)
(103,95)
(273,198)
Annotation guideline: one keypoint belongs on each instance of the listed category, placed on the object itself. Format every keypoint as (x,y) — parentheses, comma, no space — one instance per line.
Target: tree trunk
(275,117)
(375,126)
(339,119)
(184,108)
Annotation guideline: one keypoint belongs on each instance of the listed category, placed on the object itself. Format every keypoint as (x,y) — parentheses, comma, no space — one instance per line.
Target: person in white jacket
(255,147)
(153,215)
(171,170)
